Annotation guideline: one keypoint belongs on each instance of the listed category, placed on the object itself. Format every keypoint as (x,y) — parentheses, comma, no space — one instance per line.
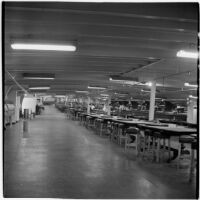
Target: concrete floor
(61,159)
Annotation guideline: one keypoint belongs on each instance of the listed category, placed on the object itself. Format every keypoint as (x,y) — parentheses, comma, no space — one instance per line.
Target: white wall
(29,103)
(192,111)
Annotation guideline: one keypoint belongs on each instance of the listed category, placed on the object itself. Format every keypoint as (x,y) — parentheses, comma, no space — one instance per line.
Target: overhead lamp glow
(149,84)
(193,97)
(39,88)
(43,47)
(96,87)
(190,85)
(187,54)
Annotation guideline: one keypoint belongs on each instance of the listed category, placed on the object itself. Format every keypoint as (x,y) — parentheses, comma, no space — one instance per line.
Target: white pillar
(192,111)
(88,106)
(152,101)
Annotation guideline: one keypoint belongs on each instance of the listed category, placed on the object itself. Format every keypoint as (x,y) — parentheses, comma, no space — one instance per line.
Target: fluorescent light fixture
(104,95)
(190,85)
(145,90)
(187,54)
(43,47)
(193,97)
(39,88)
(81,91)
(60,96)
(148,84)
(39,78)
(96,87)
(124,80)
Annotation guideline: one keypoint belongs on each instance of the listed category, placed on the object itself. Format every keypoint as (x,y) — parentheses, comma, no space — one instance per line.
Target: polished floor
(60,159)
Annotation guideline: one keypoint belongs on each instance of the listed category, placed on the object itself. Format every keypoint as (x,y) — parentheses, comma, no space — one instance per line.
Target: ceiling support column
(152,101)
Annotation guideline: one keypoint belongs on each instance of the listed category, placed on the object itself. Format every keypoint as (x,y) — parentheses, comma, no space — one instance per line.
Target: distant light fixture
(187,54)
(149,84)
(193,97)
(39,88)
(190,85)
(96,87)
(81,91)
(43,47)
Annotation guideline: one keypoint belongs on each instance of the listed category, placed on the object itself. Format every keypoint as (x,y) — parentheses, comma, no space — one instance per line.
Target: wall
(192,111)
(29,102)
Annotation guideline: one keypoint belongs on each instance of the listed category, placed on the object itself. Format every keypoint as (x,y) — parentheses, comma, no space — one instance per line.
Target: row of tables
(168,130)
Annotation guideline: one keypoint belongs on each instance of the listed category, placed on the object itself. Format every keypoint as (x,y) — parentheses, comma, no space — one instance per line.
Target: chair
(155,145)
(192,159)
(132,136)
(114,131)
(160,145)
(184,154)
(149,146)
(121,135)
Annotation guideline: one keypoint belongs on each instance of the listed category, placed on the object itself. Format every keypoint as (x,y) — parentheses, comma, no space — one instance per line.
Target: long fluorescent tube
(45,78)
(187,54)
(81,91)
(43,47)
(193,97)
(190,85)
(39,88)
(60,96)
(95,87)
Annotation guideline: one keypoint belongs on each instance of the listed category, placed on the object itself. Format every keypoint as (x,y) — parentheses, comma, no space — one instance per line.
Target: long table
(171,131)
(163,127)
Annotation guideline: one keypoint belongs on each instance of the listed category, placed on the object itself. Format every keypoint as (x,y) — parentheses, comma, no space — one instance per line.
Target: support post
(152,101)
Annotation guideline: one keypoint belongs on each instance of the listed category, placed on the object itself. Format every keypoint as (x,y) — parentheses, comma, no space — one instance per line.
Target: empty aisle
(61,159)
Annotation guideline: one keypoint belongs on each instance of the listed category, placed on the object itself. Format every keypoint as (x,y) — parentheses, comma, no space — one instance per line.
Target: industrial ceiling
(138,40)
